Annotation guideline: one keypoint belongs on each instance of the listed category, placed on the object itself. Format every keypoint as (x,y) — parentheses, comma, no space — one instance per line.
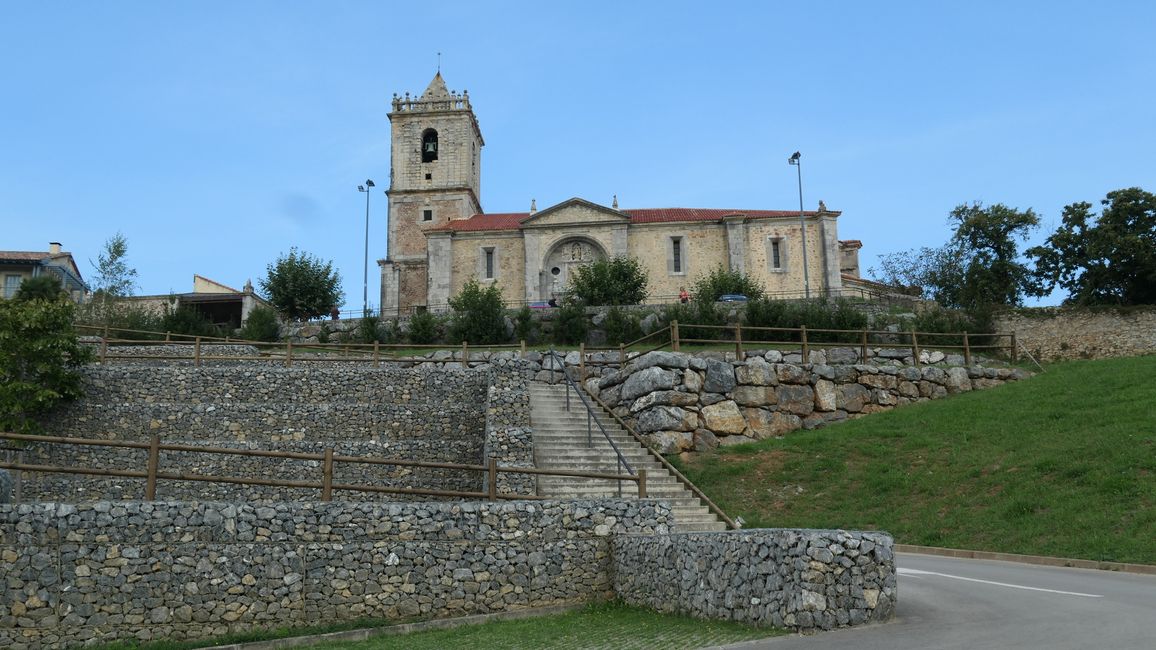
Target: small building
(17,266)
(221,304)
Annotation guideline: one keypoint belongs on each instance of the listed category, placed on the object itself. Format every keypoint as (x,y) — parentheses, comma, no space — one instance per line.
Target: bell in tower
(429,146)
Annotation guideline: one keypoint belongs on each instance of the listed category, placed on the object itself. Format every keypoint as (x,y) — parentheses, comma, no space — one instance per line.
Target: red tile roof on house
(513,220)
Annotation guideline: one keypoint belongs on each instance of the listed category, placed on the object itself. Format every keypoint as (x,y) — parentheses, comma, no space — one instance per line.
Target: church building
(439,237)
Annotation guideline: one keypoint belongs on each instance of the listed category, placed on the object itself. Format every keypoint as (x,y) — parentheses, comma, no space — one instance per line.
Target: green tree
(40,357)
(41,287)
(302,286)
(188,321)
(478,314)
(570,326)
(261,325)
(978,268)
(1109,259)
(424,328)
(720,282)
(614,281)
(114,277)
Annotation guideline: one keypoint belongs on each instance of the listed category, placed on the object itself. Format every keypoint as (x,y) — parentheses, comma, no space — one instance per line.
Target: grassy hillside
(1063,464)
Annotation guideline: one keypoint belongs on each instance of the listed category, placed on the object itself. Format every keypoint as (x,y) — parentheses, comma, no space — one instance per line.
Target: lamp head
(360,188)
(368,183)
(794,159)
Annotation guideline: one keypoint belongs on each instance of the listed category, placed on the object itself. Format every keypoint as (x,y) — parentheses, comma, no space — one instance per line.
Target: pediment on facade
(576,212)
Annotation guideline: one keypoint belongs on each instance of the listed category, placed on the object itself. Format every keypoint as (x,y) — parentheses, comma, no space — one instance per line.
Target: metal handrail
(558,362)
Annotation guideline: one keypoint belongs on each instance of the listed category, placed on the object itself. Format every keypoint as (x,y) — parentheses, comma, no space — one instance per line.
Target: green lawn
(1063,464)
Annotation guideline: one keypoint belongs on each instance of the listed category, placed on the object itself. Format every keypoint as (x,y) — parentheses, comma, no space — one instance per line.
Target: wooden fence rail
(327,460)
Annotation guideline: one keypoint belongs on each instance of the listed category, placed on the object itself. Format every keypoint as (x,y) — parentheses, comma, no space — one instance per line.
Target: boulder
(773,356)
(658,358)
(647,381)
(908,389)
(706,399)
(770,424)
(799,400)
(957,381)
(842,356)
(792,374)
(669,418)
(825,396)
(755,395)
(885,382)
(692,381)
(731,441)
(852,397)
(720,377)
(723,417)
(756,372)
(663,398)
(705,440)
(670,442)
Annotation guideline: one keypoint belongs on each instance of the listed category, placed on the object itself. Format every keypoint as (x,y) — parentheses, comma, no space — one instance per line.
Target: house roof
(44,258)
(514,220)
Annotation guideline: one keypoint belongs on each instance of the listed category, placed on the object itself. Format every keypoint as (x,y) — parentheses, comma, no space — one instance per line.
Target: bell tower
(435,177)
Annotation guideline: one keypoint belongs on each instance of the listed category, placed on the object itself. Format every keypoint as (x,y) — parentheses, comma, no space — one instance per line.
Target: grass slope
(1063,464)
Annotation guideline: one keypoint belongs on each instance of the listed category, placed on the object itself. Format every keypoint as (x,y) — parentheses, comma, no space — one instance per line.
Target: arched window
(429,145)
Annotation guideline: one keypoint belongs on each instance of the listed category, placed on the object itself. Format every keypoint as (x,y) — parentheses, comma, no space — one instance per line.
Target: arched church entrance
(563,258)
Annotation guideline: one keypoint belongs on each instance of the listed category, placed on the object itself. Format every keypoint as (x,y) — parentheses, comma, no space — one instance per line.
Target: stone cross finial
(822,207)
(615,204)
(533,206)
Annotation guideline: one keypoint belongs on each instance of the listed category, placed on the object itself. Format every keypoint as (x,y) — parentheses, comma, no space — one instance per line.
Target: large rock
(768,424)
(852,397)
(723,418)
(886,382)
(825,396)
(664,398)
(649,323)
(705,440)
(756,372)
(670,442)
(792,374)
(836,356)
(755,395)
(692,381)
(799,400)
(647,381)
(720,377)
(957,380)
(658,358)
(666,418)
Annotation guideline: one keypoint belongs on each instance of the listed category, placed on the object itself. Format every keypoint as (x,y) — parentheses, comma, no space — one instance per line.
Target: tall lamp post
(795,160)
(365,267)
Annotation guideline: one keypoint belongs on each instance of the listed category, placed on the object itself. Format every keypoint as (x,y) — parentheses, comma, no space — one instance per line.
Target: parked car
(732,297)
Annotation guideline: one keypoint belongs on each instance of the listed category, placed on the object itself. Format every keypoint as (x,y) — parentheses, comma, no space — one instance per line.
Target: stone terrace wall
(431,414)
(131,570)
(509,437)
(799,579)
(1052,334)
(681,402)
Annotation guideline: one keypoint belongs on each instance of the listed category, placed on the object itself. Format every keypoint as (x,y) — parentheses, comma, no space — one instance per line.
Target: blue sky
(216,135)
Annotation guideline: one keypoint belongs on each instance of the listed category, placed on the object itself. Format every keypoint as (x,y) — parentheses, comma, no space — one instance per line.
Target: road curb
(392,630)
(1043,560)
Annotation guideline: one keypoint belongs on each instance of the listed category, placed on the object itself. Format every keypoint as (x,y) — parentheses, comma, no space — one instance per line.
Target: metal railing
(326,460)
(558,362)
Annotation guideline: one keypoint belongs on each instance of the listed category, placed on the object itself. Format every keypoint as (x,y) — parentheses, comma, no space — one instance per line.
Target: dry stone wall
(797,579)
(681,402)
(105,571)
(1056,334)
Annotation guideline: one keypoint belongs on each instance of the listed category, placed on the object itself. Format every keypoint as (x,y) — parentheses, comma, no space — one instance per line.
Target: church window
(489,260)
(427,215)
(676,256)
(776,254)
(429,145)
(429,177)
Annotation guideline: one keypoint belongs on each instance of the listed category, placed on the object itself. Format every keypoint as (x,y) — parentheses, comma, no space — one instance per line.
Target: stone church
(439,237)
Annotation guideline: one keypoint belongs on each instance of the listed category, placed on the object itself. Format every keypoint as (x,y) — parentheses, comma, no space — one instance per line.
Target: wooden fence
(325,483)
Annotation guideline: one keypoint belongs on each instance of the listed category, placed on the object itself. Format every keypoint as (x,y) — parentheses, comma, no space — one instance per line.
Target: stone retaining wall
(798,579)
(681,402)
(144,571)
(1056,334)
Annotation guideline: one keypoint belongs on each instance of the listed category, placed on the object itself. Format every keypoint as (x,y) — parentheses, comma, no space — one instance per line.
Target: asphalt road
(947,603)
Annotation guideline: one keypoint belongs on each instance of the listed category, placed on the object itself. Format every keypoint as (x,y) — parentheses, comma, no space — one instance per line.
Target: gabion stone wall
(509,437)
(798,579)
(167,570)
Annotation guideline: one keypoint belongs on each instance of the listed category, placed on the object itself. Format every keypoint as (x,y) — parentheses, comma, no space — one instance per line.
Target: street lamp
(365,267)
(795,160)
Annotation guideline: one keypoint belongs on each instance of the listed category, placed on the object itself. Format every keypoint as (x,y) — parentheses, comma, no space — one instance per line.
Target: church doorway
(566,256)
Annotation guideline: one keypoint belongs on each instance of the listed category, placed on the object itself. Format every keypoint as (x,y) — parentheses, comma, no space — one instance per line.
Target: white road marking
(916,572)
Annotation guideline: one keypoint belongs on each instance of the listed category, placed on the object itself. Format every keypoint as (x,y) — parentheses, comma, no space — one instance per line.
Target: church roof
(513,220)
(436,89)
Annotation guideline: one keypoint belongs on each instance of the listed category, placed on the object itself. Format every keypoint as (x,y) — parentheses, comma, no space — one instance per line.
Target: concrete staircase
(560,443)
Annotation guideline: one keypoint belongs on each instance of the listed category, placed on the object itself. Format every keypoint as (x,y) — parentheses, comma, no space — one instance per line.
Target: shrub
(570,323)
(697,313)
(952,321)
(614,281)
(478,315)
(423,328)
(621,326)
(370,330)
(323,334)
(188,321)
(524,326)
(720,282)
(262,325)
(41,287)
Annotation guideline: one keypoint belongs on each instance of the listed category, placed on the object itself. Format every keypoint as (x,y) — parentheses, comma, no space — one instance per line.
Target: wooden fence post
(966,351)
(674,338)
(492,473)
(168,337)
(641,483)
(289,354)
(153,464)
(103,348)
(197,352)
(582,362)
(1015,348)
(738,342)
(327,475)
(806,351)
(914,349)
(621,354)
(863,347)
(376,353)
(465,354)
(522,346)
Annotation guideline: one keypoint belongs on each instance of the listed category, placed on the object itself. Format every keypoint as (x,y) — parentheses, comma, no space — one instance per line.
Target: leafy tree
(261,325)
(370,330)
(1109,259)
(570,324)
(187,320)
(302,286)
(622,326)
(978,268)
(524,329)
(478,314)
(613,281)
(39,360)
(114,277)
(423,328)
(41,287)
(720,282)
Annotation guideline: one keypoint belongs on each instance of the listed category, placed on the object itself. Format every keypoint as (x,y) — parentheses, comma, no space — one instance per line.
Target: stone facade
(796,579)
(165,570)
(1056,334)
(440,238)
